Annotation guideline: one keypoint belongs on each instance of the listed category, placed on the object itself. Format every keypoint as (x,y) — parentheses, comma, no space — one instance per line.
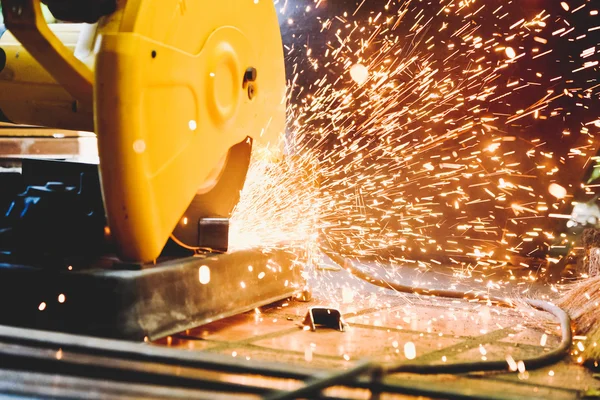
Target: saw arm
(173,86)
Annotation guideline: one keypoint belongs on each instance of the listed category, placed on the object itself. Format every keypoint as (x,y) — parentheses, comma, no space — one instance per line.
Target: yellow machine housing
(168,86)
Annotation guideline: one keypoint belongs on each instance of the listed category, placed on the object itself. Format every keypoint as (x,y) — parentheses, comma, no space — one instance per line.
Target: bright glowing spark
(204,274)
(410,350)
(359,73)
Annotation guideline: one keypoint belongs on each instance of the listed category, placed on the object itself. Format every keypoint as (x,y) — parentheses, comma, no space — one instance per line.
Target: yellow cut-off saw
(177,91)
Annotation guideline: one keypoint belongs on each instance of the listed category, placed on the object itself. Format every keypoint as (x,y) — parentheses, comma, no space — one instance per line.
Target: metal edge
(199,322)
(3,117)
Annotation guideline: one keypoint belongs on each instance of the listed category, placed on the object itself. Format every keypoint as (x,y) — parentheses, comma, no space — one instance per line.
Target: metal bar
(19,358)
(144,303)
(317,384)
(120,349)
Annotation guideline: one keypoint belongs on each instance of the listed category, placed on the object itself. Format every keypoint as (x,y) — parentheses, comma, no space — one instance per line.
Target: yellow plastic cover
(170,99)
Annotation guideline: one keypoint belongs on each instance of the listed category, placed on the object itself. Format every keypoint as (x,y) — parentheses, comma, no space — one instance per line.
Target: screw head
(251,92)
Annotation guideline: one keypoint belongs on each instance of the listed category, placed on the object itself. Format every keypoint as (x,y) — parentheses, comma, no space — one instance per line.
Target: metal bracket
(325,317)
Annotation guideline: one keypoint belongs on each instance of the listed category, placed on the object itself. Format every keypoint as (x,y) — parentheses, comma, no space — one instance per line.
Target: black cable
(378,370)
(479,366)
(452,294)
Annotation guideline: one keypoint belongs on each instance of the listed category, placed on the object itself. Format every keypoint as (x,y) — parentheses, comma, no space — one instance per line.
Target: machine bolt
(250,75)
(305,296)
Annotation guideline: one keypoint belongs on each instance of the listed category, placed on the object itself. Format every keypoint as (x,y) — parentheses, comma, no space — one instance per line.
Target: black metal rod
(120,349)
(318,384)
(12,358)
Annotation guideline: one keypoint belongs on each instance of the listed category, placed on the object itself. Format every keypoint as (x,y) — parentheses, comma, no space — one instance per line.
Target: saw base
(57,271)
(147,303)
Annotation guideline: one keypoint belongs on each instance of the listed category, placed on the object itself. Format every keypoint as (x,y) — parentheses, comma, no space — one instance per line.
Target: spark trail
(430,132)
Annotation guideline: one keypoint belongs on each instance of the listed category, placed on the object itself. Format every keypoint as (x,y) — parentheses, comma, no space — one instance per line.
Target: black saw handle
(89,11)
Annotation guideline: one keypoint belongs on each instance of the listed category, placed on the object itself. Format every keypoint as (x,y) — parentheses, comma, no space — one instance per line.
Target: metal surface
(51,365)
(154,302)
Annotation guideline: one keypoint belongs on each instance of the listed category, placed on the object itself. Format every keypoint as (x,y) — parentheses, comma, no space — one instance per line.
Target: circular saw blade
(219,200)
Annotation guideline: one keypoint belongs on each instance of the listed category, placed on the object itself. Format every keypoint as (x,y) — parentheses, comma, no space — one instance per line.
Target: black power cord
(377,370)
